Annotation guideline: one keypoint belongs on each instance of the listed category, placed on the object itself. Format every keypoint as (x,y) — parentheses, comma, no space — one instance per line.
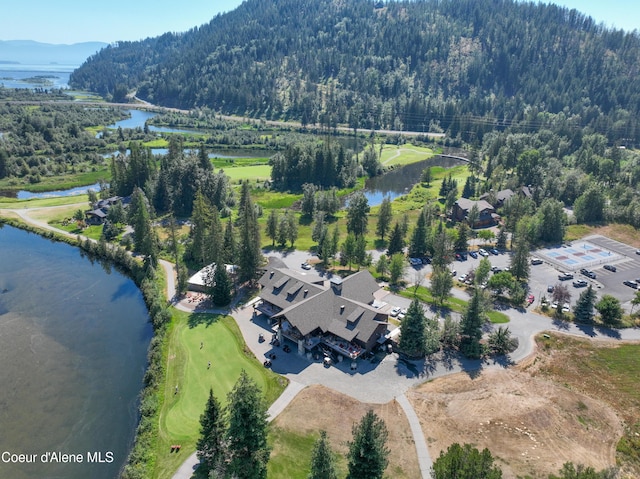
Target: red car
(530,299)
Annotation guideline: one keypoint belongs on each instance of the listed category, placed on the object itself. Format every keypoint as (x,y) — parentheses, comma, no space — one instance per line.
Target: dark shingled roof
(341,309)
(282,287)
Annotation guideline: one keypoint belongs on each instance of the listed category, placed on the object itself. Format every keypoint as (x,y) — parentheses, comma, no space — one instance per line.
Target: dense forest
(461,66)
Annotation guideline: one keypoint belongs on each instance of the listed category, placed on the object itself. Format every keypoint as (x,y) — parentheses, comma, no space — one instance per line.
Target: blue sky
(72,21)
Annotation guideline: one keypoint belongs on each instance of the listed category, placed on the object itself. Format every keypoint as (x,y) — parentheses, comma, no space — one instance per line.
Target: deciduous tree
(465,462)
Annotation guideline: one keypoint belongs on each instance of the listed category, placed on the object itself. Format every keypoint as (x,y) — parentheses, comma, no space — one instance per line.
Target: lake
(73,344)
(20,76)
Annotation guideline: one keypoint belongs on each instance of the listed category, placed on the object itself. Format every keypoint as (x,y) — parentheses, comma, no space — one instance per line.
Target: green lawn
(452,304)
(187,368)
(43,202)
(255,172)
(404,155)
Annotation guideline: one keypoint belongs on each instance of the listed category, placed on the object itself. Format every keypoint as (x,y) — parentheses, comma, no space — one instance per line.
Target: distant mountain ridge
(35,53)
(464,67)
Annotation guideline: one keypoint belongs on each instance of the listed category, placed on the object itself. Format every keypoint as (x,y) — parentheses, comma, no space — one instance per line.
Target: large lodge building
(336,313)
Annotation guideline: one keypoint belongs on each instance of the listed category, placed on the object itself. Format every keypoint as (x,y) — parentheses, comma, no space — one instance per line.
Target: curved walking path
(372,383)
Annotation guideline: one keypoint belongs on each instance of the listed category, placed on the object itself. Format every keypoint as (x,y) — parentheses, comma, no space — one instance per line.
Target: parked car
(402,314)
(631,284)
(425,260)
(566,308)
(473,254)
(536,261)
(394,312)
(638,251)
(415,261)
(565,276)
(462,277)
(306,265)
(483,252)
(494,251)
(610,267)
(579,283)
(588,273)
(530,299)
(495,269)
(550,288)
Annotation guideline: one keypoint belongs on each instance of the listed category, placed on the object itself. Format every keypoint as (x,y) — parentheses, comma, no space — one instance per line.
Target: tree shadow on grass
(206,319)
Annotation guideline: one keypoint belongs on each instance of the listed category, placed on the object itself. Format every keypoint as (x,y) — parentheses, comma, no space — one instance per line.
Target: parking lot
(623,257)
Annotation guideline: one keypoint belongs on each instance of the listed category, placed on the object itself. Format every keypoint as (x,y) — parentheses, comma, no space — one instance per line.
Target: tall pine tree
(246,434)
(211,446)
(368,453)
(323,462)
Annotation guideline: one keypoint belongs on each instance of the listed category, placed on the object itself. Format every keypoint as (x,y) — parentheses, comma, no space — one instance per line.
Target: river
(73,343)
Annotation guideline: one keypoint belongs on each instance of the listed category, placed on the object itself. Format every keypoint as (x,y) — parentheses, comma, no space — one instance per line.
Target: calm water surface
(73,342)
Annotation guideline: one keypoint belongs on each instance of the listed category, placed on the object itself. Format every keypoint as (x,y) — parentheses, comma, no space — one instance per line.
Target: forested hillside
(460,66)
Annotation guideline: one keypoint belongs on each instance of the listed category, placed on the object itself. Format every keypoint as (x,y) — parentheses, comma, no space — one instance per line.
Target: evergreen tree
(469,188)
(323,462)
(462,238)
(418,243)
(200,222)
(272,226)
(583,310)
(501,239)
(520,264)
(426,176)
(292,227)
(308,205)
(360,251)
(211,446)
(465,462)
(230,250)
(249,254)
(347,250)
(220,285)
(246,435)
(385,215)
(589,207)
(471,325)
(442,248)
(368,454)
(413,331)
(145,239)
(396,241)
(214,240)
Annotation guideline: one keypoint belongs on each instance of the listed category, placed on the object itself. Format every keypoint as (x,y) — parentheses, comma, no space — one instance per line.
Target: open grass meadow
(43,202)
(186,368)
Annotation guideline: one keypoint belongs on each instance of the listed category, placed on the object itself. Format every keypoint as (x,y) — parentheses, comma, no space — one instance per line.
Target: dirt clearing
(530,424)
(317,408)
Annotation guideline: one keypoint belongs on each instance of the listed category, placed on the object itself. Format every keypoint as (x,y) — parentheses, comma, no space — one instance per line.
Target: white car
(483,252)
(394,312)
(306,266)
(462,278)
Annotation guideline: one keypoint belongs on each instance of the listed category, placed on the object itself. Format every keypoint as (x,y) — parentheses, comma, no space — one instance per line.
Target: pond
(139,118)
(73,344)
(399,181)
